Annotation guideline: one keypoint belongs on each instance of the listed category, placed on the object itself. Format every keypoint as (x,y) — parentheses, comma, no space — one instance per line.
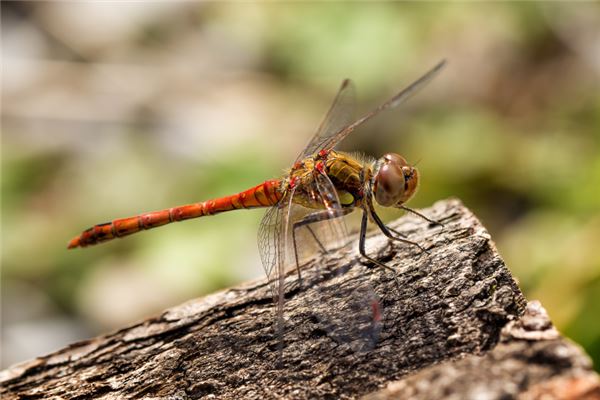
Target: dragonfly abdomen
(264,195)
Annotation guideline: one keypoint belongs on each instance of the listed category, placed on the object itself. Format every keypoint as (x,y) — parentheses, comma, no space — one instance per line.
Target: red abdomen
(266,194)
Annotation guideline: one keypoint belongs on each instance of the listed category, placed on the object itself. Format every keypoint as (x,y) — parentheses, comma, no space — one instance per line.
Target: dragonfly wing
(335,227)
(339,116)
(268,240)
(274,244)
(349,313)
(395,101)
(344,311)
(328,138)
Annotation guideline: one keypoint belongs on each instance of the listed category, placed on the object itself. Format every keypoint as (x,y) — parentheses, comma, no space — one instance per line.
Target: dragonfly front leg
(388,232)
(312,218)
(399,234)
(431,221)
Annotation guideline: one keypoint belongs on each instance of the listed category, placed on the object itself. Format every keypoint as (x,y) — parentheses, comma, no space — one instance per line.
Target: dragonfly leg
(388,232)
(314,235)
(363,252)
(311,219)
(400,234)
(431,221)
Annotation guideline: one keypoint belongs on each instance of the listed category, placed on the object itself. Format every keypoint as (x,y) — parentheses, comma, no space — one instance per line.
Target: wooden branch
(531,361)
(447,324)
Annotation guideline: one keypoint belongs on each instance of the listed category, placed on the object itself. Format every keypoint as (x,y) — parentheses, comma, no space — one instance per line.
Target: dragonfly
(321,187)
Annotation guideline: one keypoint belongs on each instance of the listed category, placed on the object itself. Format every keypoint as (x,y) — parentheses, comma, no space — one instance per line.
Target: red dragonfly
(322,186)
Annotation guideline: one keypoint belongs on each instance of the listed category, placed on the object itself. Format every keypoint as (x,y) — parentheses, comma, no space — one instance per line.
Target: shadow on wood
(450,306)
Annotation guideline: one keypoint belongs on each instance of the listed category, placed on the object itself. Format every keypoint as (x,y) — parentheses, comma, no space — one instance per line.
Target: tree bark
(450,323)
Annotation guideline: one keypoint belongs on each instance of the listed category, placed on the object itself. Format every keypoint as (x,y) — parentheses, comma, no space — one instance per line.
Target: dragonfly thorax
(394,180)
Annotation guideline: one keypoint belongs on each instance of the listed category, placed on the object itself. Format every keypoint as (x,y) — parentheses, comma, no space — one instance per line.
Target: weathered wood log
(451,323)
(532,361)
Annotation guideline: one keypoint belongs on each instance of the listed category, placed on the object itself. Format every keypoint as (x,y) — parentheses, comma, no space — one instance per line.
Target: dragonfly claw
(385,266)
(423,250)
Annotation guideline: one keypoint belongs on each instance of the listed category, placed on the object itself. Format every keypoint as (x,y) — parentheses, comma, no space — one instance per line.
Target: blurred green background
(111,109)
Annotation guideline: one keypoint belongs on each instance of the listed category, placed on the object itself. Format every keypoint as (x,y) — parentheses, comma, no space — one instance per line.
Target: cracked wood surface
(446,305)
(531,361)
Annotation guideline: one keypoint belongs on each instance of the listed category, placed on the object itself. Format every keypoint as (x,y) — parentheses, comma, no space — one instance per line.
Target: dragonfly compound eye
(411,178)
(390,181)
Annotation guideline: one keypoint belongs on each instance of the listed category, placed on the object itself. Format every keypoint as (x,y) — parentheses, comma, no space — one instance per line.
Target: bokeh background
(112,109)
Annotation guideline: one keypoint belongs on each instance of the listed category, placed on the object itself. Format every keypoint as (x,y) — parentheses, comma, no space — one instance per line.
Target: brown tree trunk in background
(454,324)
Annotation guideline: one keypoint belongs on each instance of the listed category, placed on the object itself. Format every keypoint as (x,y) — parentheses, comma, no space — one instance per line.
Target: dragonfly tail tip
(73,243)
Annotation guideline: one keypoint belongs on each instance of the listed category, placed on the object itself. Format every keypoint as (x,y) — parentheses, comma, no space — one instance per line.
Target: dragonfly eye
(411,176)
(390,182)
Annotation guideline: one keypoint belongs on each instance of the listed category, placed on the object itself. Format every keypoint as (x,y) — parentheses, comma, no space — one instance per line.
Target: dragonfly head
(394,182)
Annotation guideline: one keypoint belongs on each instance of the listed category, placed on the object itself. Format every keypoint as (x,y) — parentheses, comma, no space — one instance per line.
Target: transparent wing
(275,231)
(274,238)
(274,243)
(344,311)
(329,139)
(339,116)
(335,227)
(269,237)
(349,313)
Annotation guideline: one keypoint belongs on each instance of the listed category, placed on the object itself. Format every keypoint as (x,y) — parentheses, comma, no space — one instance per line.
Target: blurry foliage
(110,111)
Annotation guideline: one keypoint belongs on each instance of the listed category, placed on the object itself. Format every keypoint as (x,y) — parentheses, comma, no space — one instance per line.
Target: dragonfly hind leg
(312,218)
